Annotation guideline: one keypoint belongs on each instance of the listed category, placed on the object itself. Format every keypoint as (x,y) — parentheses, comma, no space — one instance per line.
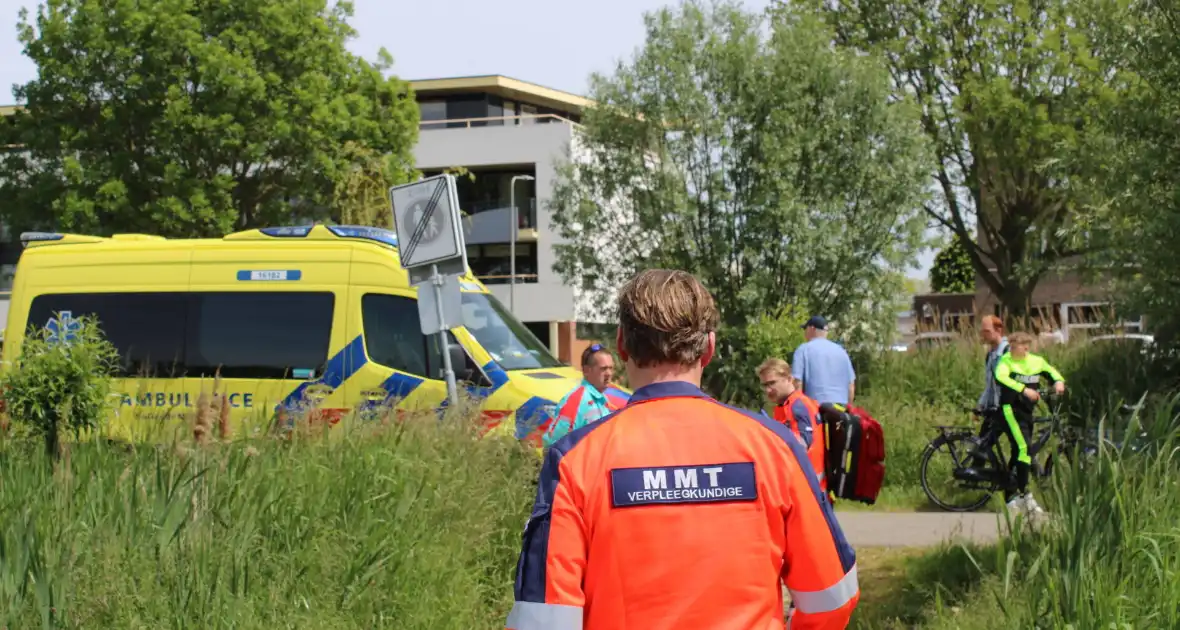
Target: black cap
(819,322)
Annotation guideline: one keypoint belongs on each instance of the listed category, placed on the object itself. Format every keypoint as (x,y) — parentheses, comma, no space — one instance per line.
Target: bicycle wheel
(938,480)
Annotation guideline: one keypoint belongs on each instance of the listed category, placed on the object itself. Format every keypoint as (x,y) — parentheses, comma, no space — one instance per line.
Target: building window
(1088,313)
(492,190)
(147,329)
(492,263)
(957,322)
(540,330)
(466,107)
(429,111)
(265,335)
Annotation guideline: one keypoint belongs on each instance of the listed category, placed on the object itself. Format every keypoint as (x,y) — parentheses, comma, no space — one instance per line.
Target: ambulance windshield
(511,344)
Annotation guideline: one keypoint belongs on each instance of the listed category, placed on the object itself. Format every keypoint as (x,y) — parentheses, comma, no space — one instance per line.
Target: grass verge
(410,525)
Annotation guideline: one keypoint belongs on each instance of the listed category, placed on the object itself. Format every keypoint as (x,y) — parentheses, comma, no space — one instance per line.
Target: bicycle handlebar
(1045,396)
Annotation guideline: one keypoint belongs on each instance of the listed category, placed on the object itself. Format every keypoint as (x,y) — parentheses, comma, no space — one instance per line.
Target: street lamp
(512,241)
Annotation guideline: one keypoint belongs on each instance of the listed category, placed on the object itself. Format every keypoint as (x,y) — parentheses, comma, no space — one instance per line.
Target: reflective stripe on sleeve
(535,616)
(832,598)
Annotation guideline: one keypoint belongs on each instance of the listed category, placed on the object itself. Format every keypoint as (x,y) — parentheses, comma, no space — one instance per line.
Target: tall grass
(1111,555)
(410,525)
(1107,556)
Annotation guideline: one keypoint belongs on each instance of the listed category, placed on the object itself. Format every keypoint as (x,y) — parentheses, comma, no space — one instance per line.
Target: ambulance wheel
(940,460)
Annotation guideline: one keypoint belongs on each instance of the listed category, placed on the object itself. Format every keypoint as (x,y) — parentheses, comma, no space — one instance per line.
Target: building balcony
(492,222)
(495,121)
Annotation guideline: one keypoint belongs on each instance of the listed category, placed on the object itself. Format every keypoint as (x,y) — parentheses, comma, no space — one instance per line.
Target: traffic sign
(428,308)
(426,217)
(430,245)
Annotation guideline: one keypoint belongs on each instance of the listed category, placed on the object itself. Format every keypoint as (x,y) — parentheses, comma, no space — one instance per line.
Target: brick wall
(929,309)
(1055,288)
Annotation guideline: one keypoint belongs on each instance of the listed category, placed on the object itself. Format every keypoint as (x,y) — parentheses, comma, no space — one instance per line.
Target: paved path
(917,529)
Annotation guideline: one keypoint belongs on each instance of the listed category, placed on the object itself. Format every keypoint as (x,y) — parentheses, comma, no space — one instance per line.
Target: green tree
(195,117)
(1007,88)
(742,148)
(1140,216)
(952,271)
(361,192)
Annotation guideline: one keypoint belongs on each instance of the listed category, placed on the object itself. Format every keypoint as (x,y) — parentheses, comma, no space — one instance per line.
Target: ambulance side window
(146,328)
(394,339)
(264,335)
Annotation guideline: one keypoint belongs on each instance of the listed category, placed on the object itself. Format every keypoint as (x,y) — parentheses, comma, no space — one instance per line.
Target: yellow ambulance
(278,323)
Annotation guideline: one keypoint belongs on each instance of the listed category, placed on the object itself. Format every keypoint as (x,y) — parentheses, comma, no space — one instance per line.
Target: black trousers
(1016,424)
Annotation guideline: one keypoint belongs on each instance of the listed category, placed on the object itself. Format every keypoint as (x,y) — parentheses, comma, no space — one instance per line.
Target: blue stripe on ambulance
(339,368)
(528,416)
(350,359)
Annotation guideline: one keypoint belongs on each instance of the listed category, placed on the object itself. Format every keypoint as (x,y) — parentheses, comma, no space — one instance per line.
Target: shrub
(62,380)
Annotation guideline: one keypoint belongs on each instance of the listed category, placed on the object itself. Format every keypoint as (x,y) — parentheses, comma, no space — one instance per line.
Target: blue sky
(556,44)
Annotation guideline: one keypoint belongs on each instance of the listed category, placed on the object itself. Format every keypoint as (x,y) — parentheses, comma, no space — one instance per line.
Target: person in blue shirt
(593,400)
(823,366)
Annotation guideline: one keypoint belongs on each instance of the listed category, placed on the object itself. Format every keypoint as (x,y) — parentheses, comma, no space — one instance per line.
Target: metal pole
(512,241)
(438,281)
(513,222)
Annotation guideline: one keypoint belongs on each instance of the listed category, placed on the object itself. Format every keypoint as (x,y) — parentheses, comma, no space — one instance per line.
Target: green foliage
(194,118)
(742,148)
(1009,92)
(952,271)
(361,192)
(55,388)
(1139,211)
(770,335)
(410,526)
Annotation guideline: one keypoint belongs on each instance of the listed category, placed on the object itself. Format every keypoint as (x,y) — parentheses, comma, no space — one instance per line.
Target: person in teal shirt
(591,401)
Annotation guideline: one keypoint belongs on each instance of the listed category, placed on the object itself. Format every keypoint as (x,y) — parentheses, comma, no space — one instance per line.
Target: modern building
(509,135)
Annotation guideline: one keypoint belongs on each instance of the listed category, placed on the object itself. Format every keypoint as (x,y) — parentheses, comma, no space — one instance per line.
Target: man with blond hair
(794,409)
(678,511)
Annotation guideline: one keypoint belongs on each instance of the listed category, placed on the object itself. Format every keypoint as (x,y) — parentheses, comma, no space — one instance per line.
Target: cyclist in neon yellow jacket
(1018,374)
(591,401)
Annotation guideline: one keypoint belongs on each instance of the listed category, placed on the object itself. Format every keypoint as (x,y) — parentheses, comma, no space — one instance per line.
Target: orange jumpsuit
(681,512)
(801,414)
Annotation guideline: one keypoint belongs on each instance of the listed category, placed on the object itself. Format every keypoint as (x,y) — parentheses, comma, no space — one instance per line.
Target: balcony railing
(495,121)
(526,210)
(521,278)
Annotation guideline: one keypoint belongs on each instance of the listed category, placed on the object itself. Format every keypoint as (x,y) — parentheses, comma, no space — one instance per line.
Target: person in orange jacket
(678,511)
(793,408)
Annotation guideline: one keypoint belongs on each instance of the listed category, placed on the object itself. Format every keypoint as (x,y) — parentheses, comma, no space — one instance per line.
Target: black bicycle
(974,468)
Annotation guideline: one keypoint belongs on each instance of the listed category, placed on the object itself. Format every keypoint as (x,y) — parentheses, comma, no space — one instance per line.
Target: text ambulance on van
(278,320)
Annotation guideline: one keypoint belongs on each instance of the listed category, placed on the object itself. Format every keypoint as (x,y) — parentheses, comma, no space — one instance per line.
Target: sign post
(430,245)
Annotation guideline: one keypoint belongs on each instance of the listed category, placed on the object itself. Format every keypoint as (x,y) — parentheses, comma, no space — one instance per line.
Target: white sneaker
(1017,504)
(1031,506)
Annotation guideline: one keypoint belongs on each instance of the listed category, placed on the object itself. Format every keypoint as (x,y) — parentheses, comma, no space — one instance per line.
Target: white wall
(538,144)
